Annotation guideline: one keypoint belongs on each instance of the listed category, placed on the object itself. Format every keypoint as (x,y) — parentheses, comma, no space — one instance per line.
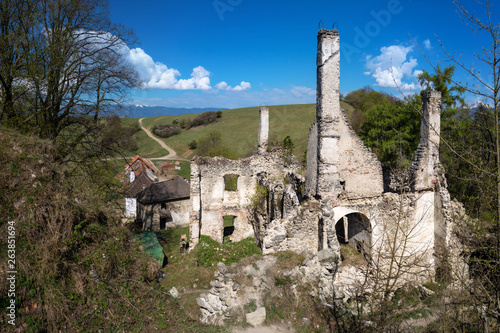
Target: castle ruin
(345,198)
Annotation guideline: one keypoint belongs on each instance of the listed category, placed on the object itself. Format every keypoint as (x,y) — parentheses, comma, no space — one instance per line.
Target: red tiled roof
(138,158)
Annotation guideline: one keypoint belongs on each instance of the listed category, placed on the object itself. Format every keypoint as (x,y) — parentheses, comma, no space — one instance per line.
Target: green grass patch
(146,147)
(282,281)
(209,252)
(350,256)
(288,260)
(250,306)
(185,170)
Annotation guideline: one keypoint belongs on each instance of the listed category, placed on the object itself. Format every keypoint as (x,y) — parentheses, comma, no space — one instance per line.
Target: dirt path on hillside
(171,153)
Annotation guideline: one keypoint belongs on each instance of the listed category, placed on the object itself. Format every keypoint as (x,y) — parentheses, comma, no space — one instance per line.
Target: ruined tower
(426,160)
(263,135)
(337,160)
(322,149)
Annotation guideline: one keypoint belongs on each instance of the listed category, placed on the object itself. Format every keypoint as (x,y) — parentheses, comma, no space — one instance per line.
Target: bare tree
(15,17)
(482,238)
(71,62)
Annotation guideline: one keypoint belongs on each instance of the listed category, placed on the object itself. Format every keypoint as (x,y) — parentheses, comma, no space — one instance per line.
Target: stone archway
(353,228)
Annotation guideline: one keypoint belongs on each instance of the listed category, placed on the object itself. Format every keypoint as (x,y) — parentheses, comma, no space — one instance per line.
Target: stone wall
(298,233)
(210,201)
(176,214)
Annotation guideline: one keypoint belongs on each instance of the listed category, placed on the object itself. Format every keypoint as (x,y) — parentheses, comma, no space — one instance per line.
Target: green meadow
(239,128)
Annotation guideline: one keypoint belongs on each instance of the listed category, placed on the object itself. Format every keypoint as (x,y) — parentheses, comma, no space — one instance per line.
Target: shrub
(205,118)
(193,144)
(167,130)
(273,142)
(185,123)
(116,136)
(287,149)
(219,114)
(212,145)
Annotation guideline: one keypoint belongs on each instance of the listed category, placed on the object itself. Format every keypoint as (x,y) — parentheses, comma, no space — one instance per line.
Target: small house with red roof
(139,174)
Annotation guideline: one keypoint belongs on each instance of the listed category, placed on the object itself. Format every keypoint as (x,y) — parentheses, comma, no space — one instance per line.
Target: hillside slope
(73,266)
(239,128)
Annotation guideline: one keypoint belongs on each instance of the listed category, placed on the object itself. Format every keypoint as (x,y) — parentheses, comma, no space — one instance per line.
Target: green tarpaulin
(150,244)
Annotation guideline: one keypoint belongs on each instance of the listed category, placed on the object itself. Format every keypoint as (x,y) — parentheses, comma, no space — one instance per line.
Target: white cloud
(199,80)
(392,66)
(427,44)
(159,76)
(241,87)
(299,91)
(221,86)
(154,74)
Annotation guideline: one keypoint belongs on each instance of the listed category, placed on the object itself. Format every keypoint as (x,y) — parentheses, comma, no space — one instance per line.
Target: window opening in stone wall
(229,226)
(353,234)
(231,182)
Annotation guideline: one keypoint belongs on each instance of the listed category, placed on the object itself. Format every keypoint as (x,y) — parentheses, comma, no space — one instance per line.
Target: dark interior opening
(228,225)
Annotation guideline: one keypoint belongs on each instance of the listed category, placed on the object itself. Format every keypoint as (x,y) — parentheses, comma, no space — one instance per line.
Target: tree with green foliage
(363,100)
(212,145)
(193,144)
(392,131)
(287,149)
(441,81)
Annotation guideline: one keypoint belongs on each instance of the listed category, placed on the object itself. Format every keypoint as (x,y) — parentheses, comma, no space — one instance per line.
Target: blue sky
(240,53)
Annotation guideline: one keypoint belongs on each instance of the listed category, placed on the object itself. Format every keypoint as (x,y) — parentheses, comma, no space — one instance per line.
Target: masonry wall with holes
(222,187)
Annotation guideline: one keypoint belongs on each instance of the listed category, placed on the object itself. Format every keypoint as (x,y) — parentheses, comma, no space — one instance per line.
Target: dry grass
(77,268)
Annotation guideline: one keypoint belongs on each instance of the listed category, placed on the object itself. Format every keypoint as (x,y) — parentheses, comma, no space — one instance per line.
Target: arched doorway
(353,229)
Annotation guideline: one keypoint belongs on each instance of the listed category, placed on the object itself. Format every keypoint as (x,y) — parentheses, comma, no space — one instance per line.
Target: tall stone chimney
(328,76)
(328,113)
(426,158)
(263,129)
(337,161)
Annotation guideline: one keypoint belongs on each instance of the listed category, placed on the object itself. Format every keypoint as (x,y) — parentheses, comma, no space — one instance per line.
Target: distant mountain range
(144,111)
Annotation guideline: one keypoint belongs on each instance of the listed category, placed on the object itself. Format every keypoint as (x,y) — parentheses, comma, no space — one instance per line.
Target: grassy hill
(239,128)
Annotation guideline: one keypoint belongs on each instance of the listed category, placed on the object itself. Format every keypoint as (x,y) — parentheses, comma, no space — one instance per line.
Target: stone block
(257,317)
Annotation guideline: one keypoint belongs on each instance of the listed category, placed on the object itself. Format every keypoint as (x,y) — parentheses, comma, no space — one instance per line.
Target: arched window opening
(354,236)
